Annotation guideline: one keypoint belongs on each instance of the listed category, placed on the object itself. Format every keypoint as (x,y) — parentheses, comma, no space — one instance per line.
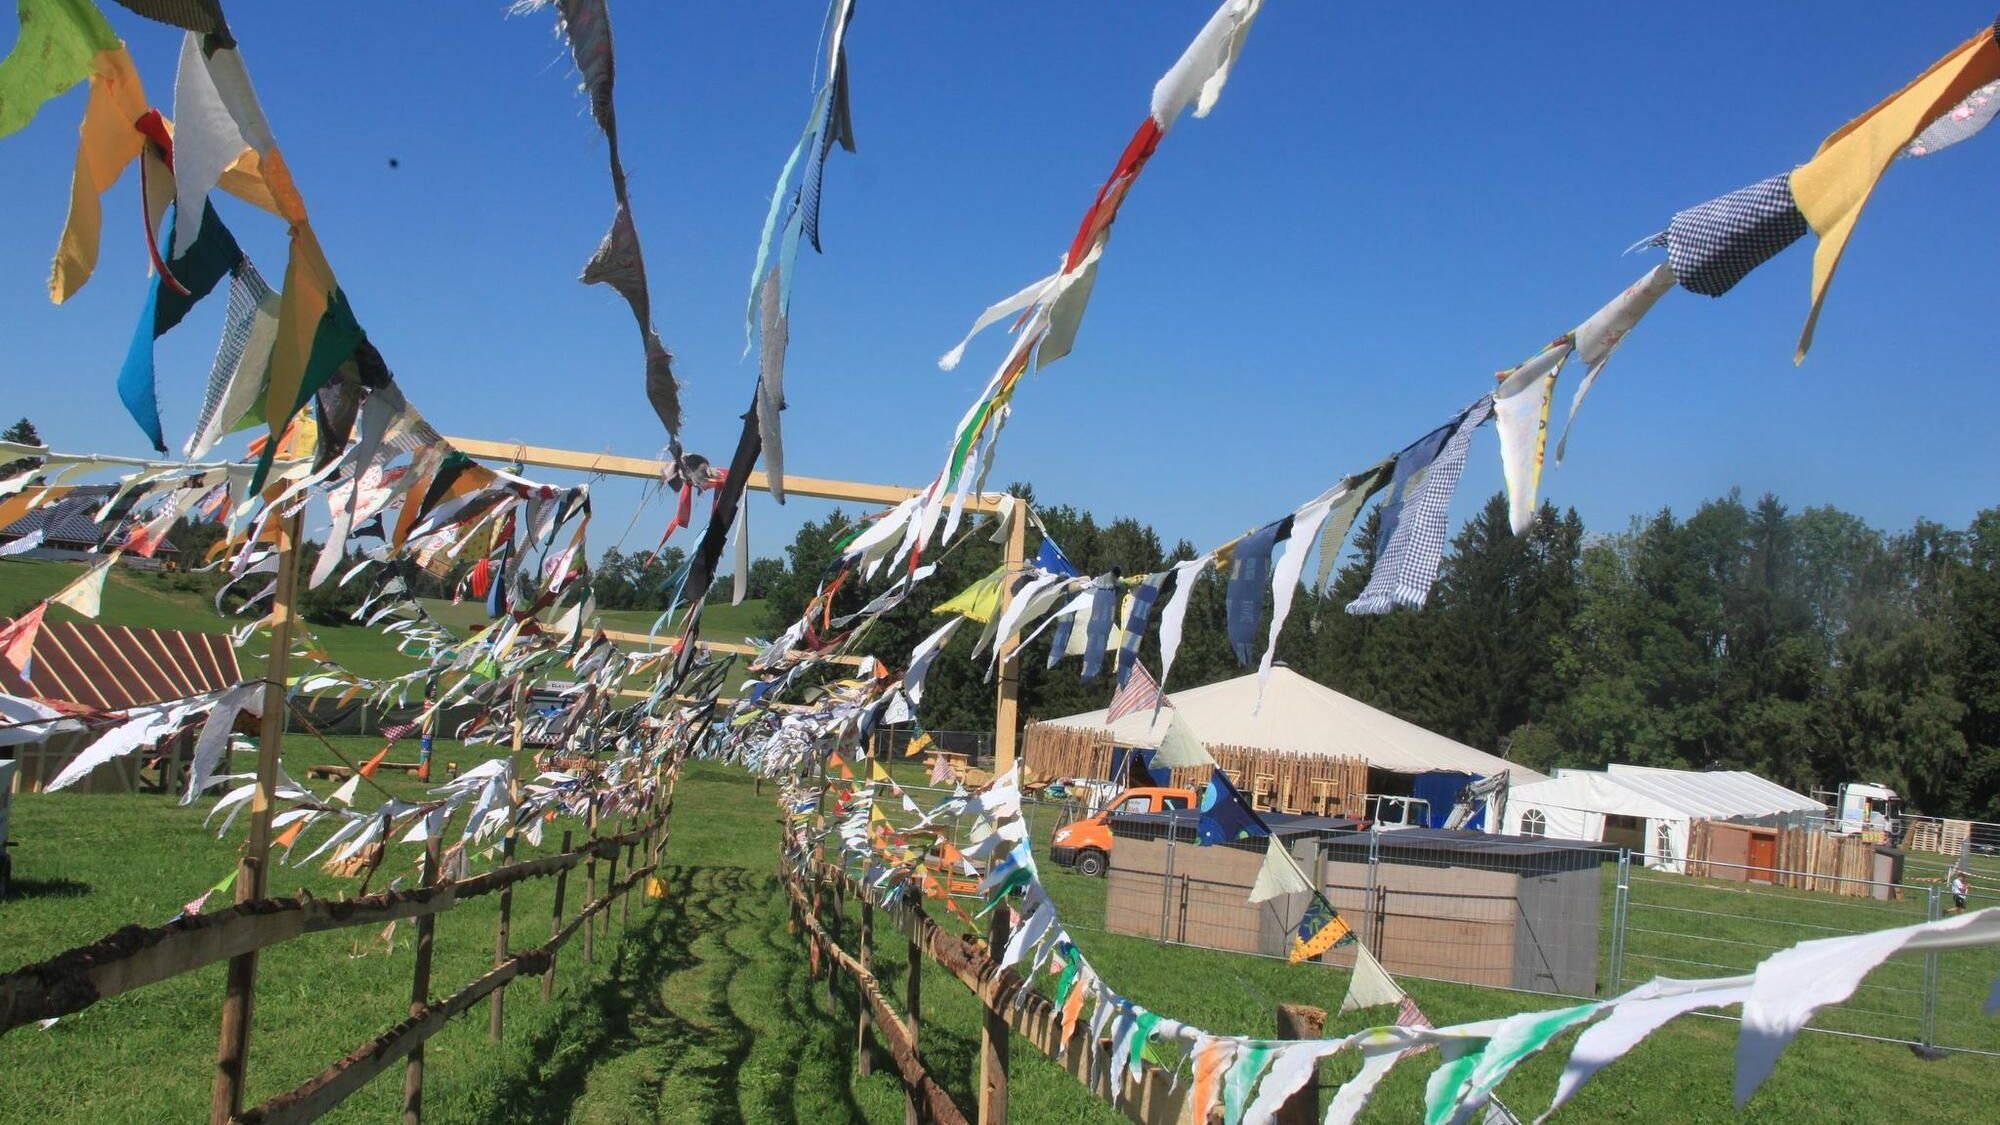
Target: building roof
(115,667)
(1665,794)
(1304,717)
(71,522)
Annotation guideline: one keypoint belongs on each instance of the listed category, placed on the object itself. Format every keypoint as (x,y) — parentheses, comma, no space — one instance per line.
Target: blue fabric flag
(1249,577)
(1225,815)
(1051,559)
(1144,596)
(209,260)
(1097,632)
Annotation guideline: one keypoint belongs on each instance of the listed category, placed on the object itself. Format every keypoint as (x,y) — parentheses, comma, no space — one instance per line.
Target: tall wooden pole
(240,991)
(496,1021)
(1007,716)
(993,1033)
(420,989)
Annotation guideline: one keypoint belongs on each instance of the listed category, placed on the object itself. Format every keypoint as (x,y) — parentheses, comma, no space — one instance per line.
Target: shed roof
(1666,794)
(115,667)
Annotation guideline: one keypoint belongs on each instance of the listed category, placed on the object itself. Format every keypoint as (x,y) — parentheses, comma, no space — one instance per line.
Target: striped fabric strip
(247,292)
(1408,565)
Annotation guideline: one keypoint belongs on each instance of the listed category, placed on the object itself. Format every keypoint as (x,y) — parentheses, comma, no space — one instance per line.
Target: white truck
(1867,807)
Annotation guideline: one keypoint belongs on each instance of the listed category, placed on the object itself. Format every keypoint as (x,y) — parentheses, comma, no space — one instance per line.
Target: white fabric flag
(1029,934)
(24,544)
(1280,875)
(1285,579)
(1794,983)
(206,141)
(1198,76)
(1599,336)
(86,594)
(142,729)
(215,735)
(1371,985)
(1353,1095)
(1636,1015)
(1172,618)
(1521,415)
(1180,747)
(1290,1070)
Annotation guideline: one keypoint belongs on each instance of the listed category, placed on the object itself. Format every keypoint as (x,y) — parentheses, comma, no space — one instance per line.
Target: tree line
(1804,646)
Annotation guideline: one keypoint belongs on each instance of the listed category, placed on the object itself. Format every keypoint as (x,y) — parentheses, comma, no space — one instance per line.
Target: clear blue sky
(1391,202)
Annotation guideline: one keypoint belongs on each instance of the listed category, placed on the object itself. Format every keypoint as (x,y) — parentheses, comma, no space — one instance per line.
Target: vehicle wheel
(1092,862)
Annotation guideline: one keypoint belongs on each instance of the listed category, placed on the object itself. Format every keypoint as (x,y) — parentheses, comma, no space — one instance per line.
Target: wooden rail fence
(1007,1001)
(137,956)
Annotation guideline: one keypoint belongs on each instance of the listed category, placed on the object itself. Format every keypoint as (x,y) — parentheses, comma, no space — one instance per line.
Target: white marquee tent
(1660,804)
(1304,717)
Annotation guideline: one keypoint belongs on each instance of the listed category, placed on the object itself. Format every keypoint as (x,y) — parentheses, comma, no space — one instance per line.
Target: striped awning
(115,667)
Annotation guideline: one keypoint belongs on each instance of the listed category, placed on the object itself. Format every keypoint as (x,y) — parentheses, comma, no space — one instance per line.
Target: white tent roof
(1715,794)
(1303,717)
(1664,794)
(1589,791)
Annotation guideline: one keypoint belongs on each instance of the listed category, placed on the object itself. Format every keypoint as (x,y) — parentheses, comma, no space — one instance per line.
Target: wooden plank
(649,469)
(136,956)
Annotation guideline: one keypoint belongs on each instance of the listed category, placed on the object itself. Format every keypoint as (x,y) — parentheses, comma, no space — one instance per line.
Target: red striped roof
(115,667)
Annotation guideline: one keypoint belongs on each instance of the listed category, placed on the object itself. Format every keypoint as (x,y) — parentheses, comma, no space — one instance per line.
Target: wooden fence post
(625,900)
(993,1033)
(233,1055)
(610,888)
(555,923)
(420,993)
(590,888)
(1297,1021)
(913,989)
(864,1062)
(832,922)
(496,1021)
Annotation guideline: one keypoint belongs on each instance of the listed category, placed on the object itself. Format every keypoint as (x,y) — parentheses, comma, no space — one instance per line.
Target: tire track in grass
(704,1060)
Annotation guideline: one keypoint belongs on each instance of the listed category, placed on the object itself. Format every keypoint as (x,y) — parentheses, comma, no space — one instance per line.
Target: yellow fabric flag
(1833,187)
(918,745)
(877,773)
(309,286)
(106,144)
(979,601)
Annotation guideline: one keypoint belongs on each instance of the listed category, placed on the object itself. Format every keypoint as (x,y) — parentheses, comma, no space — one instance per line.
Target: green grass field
(703,1011)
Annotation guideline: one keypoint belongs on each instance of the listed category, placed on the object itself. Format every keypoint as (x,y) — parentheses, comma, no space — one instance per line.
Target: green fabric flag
(1243,1075)
(1072,968)
(1142,1038)
(58,40)
(334,342)
(1515,1039)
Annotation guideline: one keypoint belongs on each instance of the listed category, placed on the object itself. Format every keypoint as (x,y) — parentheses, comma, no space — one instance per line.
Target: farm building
(1306,749)
(71,530)
(1650,810)
(94,671)
(1491,910)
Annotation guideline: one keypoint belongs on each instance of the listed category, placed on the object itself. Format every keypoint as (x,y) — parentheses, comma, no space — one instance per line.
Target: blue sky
(1390,203)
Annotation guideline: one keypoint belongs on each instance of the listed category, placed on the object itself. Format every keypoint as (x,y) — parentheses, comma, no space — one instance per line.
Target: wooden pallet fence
(1277,780)
(1805,859)
(136,956)
(1008,1005)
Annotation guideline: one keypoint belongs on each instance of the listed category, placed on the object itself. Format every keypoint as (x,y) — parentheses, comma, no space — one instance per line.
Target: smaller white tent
(1582,804)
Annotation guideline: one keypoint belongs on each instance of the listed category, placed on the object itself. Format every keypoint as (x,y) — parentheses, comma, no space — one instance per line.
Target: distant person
(1958,890)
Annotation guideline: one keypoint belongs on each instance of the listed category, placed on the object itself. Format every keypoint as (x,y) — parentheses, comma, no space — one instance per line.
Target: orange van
(1086,844)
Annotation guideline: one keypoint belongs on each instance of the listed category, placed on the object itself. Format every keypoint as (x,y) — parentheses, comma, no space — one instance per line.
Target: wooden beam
(621,636)
(647,468)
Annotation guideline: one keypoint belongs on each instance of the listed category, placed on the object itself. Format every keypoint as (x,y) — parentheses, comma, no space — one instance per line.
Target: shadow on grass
(18,887)
(684,1046)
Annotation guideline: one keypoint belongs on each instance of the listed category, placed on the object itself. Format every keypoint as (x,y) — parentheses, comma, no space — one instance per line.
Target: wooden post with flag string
(233,1055)
(913,995)
(556,923)
(496,1020)
(590,885)
(1298,1021)
(993,1033)
(420,989)
(1007,714)
(864,1059)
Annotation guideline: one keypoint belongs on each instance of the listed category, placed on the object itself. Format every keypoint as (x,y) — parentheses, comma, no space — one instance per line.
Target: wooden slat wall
(1277,780)
(1806,859)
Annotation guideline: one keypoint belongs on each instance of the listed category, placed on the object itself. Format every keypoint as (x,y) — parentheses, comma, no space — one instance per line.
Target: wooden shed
(1498,911)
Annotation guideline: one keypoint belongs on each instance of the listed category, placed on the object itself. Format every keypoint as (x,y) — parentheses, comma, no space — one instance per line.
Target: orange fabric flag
(1833,187)
(368,767)
(290,835)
